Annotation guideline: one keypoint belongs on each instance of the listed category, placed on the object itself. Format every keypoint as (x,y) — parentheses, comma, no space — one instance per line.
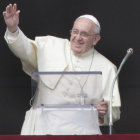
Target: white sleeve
(24,48)
(11,37)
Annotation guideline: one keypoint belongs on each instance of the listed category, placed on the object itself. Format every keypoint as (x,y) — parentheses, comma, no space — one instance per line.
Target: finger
(103,103)
(4,13)
(10,8)
(14,8)
(99,106)
(103,112)
(17,13)
(102,109)
(105,106)
(7,9)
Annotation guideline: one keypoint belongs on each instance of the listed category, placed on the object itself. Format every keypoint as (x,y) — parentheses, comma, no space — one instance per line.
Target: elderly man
(50,53)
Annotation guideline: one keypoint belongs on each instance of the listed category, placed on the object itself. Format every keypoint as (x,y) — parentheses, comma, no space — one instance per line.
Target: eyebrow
(81,31)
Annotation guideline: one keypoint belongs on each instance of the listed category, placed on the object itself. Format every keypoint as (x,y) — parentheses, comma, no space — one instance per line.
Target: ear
(96,39)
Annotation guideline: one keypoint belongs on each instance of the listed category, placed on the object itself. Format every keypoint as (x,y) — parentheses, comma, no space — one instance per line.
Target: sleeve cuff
(11,37)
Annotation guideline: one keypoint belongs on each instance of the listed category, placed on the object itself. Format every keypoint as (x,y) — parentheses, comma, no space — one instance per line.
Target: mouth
(76,48)
(77,45)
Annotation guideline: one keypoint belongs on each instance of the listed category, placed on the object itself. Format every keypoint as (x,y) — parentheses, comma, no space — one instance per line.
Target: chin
(77,50)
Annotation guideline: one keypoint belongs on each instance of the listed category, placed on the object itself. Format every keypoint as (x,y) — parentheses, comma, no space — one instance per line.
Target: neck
(88,54)
(85,54)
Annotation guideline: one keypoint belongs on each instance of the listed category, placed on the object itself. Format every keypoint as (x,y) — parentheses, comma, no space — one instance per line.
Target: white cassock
(50,53)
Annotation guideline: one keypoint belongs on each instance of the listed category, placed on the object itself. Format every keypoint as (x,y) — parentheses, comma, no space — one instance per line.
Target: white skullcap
(92,18)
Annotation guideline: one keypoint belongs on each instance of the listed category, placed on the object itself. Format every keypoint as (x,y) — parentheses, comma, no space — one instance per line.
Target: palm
(11,17)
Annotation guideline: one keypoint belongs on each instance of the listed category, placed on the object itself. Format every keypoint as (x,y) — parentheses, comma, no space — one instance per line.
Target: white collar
(86,54)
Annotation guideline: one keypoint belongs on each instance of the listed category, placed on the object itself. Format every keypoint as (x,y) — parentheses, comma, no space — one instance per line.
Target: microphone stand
(129,52)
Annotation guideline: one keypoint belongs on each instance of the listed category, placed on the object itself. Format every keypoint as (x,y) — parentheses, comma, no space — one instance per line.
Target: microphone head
(130,51)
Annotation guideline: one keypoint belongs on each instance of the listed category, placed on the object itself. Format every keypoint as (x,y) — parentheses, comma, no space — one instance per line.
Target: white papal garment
(50,53)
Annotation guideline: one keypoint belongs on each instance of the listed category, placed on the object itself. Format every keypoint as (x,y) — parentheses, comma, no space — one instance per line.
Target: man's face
(82,36)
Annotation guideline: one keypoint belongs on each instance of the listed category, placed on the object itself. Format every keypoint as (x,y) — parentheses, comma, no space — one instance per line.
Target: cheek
(71,38)
(88,45)
(90,42)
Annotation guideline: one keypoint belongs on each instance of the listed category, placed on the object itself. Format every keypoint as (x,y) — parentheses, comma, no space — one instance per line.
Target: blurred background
(119,19)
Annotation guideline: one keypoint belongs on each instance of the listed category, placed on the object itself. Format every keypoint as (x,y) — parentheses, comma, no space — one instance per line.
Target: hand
(102,108)
(11,17)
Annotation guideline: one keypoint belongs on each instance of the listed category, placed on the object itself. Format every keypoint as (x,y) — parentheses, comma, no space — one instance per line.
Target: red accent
(75,137)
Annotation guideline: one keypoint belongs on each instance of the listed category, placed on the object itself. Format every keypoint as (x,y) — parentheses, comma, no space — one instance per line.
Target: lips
(77,45)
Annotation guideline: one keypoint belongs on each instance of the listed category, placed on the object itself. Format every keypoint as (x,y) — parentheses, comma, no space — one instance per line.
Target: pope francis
(49,53)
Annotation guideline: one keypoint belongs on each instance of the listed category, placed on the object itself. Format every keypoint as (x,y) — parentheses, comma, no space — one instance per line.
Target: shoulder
(51,42)
(103,62)
(49,38)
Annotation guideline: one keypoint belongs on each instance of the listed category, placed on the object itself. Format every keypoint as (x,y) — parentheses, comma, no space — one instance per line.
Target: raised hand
(11,17)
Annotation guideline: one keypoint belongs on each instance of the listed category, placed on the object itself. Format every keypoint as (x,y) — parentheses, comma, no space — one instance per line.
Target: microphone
(128,54)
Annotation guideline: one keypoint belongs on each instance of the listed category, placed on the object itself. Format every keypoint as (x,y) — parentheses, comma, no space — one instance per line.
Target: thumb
(4,14)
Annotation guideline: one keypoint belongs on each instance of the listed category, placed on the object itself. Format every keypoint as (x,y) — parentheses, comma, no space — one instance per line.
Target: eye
(75,31)
(84,34)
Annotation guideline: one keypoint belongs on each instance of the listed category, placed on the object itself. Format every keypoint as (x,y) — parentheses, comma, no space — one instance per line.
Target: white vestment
(50,53)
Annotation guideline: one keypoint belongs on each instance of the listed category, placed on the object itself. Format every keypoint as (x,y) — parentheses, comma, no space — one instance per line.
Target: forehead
(83,24)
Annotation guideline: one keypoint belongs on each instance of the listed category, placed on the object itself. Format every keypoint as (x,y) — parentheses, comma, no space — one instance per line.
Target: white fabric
(33,54)
(11,36)
(92,18)
(66,122)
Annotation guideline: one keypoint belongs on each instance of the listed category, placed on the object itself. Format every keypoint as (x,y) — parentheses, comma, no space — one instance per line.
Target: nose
(78,37)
